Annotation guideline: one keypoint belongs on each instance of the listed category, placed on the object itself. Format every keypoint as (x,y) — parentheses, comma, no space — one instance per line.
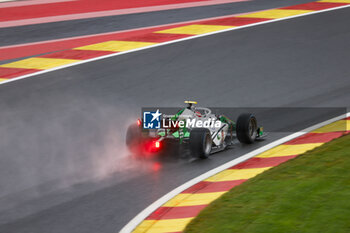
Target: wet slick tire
(134,138)
(200,142)
(246,128)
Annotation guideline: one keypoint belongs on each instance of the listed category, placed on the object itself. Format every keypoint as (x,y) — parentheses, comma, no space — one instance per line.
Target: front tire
(200,142)
(246,128)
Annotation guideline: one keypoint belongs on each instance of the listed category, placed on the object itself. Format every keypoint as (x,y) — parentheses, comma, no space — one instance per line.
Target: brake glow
(138,122)
(153,146)
(157,144)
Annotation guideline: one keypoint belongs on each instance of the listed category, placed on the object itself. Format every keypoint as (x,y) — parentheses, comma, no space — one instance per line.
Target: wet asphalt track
(70,123)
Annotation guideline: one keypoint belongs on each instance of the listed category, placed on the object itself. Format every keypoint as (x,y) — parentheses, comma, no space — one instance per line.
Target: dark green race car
(196,129)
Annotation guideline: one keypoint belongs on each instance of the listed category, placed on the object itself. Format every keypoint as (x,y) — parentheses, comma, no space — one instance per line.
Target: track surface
(71,119)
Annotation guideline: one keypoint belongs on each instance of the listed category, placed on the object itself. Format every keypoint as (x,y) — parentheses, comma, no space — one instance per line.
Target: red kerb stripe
(315,138)
(315,6)
(77,54)
(233,21)
(14,72)
(175,212)
(208,187)
(262,162)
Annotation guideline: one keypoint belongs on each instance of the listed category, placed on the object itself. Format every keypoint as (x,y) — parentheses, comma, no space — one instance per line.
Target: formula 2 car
(196,129)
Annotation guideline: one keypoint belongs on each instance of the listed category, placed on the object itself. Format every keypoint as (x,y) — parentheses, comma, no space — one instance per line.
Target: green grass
(310,193)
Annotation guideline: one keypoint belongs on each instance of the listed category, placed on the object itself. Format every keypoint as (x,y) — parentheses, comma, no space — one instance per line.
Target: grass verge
(310,193)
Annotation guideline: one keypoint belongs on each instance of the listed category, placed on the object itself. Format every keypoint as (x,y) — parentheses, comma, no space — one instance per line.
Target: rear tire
(200,142)
(134,138)
(246,128)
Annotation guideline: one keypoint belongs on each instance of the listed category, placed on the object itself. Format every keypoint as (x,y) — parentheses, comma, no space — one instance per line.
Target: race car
(196,129)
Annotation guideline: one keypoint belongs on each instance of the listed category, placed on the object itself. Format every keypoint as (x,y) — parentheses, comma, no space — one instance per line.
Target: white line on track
(155,205)
(166,43)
